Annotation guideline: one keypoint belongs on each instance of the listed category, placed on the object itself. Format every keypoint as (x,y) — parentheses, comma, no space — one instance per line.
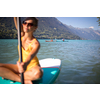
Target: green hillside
(7,28)
(49,27)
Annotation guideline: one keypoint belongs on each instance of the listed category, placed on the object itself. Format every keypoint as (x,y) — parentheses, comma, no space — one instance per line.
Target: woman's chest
(26,45)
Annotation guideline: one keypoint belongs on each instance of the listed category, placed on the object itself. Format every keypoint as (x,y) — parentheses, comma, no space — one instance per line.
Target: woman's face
(28,26)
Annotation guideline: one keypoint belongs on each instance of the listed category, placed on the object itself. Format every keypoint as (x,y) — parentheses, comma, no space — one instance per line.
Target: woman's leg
(9,71)
(34,73)
(12,67)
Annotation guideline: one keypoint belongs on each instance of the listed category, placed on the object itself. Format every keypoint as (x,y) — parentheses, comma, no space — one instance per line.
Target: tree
(98,20)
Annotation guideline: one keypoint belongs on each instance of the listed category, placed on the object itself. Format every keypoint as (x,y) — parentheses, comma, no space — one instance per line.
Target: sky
(80,22)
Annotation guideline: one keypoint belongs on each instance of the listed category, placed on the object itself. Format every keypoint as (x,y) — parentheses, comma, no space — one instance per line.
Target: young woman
(30,46)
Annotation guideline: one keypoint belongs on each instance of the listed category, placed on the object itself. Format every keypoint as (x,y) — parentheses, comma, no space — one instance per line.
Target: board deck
(51,69)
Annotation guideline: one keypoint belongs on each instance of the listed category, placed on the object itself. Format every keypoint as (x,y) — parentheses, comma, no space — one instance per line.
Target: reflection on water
(80,58)
(8,51)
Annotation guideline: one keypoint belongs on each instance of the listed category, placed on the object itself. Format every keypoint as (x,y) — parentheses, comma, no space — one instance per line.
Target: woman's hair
(35,20)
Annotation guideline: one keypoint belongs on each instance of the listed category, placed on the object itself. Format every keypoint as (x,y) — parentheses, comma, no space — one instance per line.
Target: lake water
(80,58)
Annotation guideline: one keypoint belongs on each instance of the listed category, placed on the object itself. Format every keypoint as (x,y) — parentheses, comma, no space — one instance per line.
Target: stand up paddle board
(51,69)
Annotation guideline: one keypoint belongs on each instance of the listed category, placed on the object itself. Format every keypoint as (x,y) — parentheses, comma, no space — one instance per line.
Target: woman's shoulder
(35,42)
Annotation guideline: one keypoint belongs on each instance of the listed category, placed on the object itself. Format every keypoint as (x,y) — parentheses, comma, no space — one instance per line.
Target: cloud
(91,27)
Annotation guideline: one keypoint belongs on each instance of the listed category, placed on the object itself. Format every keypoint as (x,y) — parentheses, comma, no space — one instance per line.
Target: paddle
(20,44)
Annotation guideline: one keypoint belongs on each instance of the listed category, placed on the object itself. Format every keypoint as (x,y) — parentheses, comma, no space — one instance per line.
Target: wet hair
(35,20)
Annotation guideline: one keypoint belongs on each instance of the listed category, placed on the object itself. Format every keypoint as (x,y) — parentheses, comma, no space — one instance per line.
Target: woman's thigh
(12,67)
(34,73)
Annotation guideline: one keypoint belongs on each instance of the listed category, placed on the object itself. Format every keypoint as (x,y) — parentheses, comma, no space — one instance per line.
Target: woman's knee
(35,74)
(1,69)
(1,65)
(39,74)
(12,67)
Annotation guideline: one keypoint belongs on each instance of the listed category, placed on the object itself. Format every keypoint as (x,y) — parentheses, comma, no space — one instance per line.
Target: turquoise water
(80,58)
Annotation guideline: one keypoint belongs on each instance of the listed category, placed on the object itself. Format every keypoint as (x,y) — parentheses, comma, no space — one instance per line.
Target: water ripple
(80,59)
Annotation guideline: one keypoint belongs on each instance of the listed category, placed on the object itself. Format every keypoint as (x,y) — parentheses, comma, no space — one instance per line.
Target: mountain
(49,27)
(7,28)
(85,33)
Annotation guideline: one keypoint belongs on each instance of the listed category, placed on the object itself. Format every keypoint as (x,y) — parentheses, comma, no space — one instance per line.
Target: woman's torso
(25,53)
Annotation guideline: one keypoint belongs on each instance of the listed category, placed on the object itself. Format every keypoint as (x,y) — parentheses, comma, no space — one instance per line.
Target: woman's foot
(28,82)
(2,78)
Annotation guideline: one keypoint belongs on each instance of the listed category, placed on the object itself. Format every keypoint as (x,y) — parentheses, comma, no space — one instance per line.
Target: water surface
(80,58)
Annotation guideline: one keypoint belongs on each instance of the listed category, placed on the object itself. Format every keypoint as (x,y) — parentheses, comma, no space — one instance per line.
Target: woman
(30,46)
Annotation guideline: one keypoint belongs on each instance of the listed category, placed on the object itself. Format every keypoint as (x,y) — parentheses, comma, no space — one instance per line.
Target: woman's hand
(21,66)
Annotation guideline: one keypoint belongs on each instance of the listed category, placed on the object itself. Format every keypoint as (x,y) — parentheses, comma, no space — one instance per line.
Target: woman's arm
(15,21)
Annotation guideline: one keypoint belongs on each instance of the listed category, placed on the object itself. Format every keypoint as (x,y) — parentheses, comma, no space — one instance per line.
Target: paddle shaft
(20,44)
